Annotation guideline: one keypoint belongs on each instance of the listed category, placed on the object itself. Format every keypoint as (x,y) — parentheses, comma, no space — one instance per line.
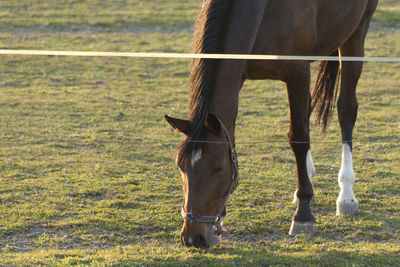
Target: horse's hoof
(302,228)
(347,207)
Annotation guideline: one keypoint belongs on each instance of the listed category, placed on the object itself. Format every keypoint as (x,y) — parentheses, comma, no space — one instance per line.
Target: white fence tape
(189,55)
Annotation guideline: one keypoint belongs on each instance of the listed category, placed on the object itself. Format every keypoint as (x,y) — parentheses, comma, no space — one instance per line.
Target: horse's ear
(179,125)
(213,123)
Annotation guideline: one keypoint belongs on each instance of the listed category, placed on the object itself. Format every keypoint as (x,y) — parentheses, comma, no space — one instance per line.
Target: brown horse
(207,158)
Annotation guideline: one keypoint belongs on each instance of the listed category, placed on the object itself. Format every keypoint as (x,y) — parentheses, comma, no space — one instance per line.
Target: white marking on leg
(310,172)
(196,156)
(190,241)
(310,166)
(346,202)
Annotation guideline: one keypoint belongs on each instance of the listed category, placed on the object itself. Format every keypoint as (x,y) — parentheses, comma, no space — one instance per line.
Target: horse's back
(307,27)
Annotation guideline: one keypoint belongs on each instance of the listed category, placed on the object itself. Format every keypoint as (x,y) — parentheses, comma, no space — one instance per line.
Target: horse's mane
(209,36)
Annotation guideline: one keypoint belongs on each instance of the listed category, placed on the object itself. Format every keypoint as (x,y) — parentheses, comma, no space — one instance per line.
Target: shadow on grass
(272,255)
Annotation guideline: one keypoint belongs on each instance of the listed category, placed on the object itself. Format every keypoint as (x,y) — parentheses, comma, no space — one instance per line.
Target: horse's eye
(218,169)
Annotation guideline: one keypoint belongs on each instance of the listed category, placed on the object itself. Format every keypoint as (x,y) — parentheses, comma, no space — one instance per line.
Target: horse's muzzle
(199,235)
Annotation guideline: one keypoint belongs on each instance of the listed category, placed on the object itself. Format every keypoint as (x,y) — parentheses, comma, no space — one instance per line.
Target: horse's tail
(325,91)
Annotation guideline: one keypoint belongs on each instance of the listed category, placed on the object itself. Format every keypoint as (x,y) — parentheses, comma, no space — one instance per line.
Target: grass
(87,162)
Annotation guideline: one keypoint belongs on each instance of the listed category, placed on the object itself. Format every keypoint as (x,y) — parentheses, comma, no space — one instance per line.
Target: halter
(216,219)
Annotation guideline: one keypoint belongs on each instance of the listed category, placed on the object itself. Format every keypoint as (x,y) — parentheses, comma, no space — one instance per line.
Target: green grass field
(87,173)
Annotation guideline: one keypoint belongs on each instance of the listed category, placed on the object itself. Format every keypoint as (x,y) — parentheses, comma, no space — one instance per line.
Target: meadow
(87,172)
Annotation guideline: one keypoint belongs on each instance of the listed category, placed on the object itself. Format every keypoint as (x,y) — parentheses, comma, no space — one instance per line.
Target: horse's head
(209,175)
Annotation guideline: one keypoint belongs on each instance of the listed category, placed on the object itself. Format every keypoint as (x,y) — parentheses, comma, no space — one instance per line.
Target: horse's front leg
(298,84)
(311,172)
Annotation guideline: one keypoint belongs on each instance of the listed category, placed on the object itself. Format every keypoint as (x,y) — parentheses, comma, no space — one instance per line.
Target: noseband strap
(234,183)
(200,219)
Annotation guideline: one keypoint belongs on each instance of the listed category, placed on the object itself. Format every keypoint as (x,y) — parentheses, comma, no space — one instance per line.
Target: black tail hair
(324,94)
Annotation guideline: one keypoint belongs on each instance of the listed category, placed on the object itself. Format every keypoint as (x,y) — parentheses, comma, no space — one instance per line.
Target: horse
(207,158)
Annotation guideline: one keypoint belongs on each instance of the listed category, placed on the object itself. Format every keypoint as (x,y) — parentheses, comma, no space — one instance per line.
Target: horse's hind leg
(298,84)
(347,112)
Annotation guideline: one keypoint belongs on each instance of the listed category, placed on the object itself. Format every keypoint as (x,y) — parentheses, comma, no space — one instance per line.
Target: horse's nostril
(199,242)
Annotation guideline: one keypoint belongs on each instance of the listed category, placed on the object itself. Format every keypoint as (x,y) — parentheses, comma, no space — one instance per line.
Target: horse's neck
(225,94)
(229,73)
